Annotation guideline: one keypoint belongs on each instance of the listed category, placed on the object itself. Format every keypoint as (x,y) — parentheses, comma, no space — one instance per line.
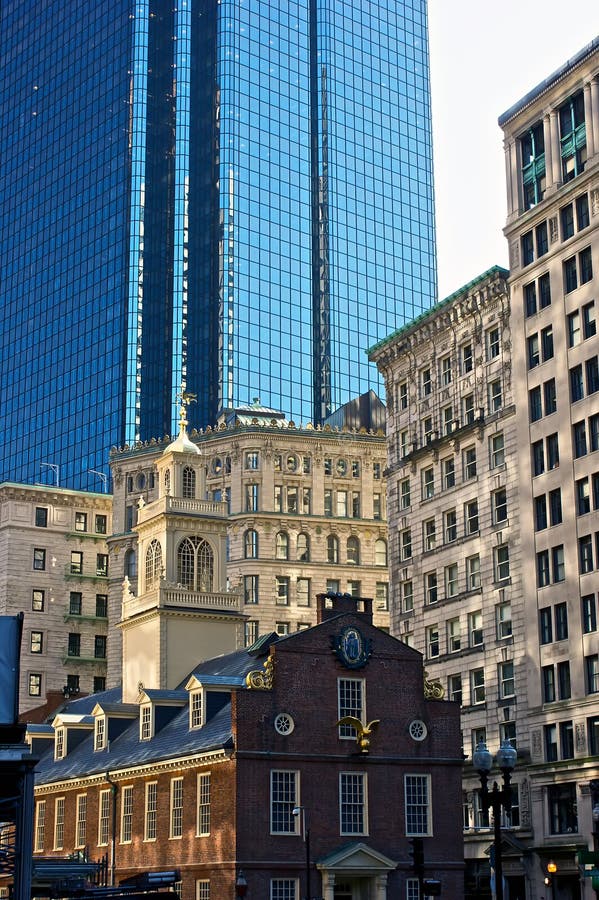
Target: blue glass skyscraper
(234,196)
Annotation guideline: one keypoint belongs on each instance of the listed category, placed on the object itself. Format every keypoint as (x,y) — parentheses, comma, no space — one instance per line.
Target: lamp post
(296,811)
(241,884)
(496,798)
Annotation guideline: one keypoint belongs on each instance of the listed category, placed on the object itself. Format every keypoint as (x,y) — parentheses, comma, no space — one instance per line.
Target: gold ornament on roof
(433,690)
(261,679)
(363,732)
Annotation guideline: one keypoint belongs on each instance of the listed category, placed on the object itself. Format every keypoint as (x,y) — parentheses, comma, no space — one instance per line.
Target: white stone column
(328,885)
(595,112)
(380,887)
(556,154)
(548,153)
(588,121)
(511,178)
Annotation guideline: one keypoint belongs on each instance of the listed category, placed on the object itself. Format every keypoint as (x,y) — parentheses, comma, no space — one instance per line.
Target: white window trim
(102,797)
(296,819)
(147,838)
(362,716)
(59,821)
(364,831)
(201,693)
(203,778)
(429,815)
(146,725)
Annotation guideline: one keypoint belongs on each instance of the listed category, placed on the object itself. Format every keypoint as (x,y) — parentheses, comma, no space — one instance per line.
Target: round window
(284,724)
(418,730)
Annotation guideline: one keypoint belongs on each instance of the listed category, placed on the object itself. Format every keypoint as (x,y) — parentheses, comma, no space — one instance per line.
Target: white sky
(485,56)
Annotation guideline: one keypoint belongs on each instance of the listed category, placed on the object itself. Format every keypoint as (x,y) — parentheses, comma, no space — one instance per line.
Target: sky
(485,56)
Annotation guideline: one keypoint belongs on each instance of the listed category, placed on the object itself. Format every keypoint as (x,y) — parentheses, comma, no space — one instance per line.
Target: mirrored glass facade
(230,195)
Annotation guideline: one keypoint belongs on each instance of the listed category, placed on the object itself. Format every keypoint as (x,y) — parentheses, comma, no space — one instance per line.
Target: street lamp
(241,884)
(296,811)
(497,798)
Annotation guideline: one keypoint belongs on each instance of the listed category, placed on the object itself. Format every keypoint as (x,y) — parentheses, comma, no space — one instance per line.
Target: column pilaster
(556,156)
(588,121)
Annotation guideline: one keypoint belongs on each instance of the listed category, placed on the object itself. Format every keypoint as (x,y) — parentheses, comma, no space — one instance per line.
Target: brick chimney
(331,604)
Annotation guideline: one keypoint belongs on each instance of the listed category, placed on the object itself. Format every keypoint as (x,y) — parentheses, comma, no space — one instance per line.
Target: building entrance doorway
(354,889)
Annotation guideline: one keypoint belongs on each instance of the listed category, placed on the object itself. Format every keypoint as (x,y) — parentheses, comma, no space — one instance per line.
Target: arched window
(153,562)
(380,552)
(189,483)
(353,551)
(167,481)
(131,564)
(332,549)
(250,544)
(195,564)
(303,547)
(282,545)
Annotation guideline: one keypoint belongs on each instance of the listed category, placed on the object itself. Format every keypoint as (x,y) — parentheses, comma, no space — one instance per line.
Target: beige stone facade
(493,486)
(53,568)
(306,513)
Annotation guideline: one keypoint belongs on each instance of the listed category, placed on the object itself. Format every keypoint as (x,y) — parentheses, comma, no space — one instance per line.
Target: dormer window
(100,733)
(146,722)
(59,744)
(196,709)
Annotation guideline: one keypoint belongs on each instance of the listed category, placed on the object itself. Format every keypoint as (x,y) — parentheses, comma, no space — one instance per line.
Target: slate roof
(174,740)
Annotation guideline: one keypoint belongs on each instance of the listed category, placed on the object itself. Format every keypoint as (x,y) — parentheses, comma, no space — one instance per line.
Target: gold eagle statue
(363,732)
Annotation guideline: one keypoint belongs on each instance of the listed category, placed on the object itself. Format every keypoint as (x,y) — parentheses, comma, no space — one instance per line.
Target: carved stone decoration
(433,690)
(553,231)
(525,803)
(595,201)
(580,737)
(261,679)
(536,745)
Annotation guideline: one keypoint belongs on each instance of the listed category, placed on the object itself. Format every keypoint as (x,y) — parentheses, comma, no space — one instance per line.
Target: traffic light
(417,854)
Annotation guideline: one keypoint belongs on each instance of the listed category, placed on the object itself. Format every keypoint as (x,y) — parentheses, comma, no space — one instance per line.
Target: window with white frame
(203,823)
(471,516)
(59,823)
(506,679)
(407,596)
(103,818)
(126,814)
(504,620)
(501,559)
(451,580)
(196,708)
(495,395)
(282,589)
(404,494)
(431,592)
(477,686)
(448,469)
(497,450)
(352,803)
(428,483)
(402,395)
(350,702)
(146,722)
(151,811)
(445,370)
(492,342)
(475,628)
(80,820)
(283,799)
(412,889)
(432,641)
(100,733)
(405,543)
(473,572)
(59,743)
(202,889)
(469,463)
(429,534)
(499,506)
(454,637)
(283,889)
(382,595)
(450,526)
(417,804)
(454,688)
(40,826)
(176,808)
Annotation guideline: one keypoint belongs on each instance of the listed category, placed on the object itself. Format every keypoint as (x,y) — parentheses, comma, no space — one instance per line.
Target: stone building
(54,568)
(305,513)
(493,426)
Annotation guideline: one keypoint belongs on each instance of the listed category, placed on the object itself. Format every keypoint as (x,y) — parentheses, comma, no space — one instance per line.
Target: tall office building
(233,196)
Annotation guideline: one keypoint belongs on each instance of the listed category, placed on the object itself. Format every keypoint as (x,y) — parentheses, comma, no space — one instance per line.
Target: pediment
(357,858)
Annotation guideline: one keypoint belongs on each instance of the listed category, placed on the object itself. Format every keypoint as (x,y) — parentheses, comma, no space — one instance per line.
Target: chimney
(331,604)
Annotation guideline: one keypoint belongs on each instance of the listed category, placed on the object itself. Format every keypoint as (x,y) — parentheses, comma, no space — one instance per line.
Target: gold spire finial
(186,397)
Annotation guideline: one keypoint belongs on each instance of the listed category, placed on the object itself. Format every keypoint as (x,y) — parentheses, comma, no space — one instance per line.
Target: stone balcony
(178,597)
(182,506)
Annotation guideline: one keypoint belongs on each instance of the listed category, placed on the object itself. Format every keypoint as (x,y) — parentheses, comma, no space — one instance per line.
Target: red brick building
(206,777)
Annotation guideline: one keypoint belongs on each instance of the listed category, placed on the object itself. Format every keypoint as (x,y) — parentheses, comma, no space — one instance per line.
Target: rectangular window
(561,621)
(450,526)
(477,686)
(495,395)
(352,803)
(151,811)
(99,646)
(473,573)
(382,595)
(567,221)
(35,684)
(454,688)
(585,553)
(570,275)
(103,818)
(445,371)
(405,543)
(594,432)
(550,734)
(589,613)
(39,559)
(196,709)
(428,483)
(563,818)
(545,625)
(492,342)
(592,374)
(471,516)
(80,820)
(451,580)
(432,641)
(407,596)
(448,468)
(548,684)
(506,680)
(40,826)
(417,804)
(76,562)
(176,808)
(527,248)
(475,628)
(582,212)
(101,524)
(80,521)
(126,813)
(403,395)
(283,799)
(573,322)
(550,397)
(592,673)
(74,644)
(589,323)
(252,497)
(555,506)
(59,823)
(469,459)
(547,343)
(41,517)
(250,589)
(580,439)
(282,590)
(533,351)
(202,889)
(454,640)
(499,506)
(530,299)
(429,534)
(291,505)
(468,414)
(146,722)
(283,889)
(497,450)
(543,574)
(36,642)
(504,620)
(426,382)
(101,606)
(540,512)
(430,588)
(404,494)
(585,263)
(350,702)
(467,358)
(563,680)
(38,600)
(534,404)
(203,822)
(544,291)
(102,565)
(558,566)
